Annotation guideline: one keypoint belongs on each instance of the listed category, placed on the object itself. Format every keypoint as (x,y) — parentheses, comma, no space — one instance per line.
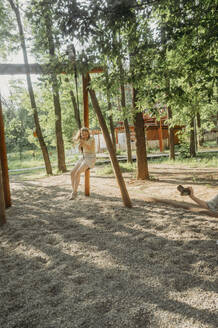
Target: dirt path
(92,263)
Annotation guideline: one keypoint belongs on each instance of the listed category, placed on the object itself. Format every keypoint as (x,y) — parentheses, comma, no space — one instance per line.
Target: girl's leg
(76,179)
(72,173)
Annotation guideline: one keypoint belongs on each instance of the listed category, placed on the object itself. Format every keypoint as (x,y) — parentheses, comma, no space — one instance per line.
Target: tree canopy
(166,49)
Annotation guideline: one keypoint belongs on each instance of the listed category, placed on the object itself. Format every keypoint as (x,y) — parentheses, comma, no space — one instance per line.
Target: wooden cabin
(156,134)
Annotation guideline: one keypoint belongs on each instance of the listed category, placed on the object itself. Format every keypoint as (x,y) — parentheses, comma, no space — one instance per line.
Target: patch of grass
(28,161)
(209,144)
(201,160)
(17,164)
(108,170)
(30,174)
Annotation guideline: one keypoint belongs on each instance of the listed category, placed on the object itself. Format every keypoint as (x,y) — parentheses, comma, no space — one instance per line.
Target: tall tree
(43,146)
(56,98)
(168,92)
(123,107)
(88,21)
(75,106)
(141,152)
(45,37)
(111,122)
(190,43)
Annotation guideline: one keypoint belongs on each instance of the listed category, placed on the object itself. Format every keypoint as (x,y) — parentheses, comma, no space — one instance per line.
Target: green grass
(28,161)
(30,174)
(16,164)
(201,160)
(108,170)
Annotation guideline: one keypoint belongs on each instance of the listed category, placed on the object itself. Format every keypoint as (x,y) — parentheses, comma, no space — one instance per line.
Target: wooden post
(2,200)
(116,134)
(86,124)
(110,147)
(4,161)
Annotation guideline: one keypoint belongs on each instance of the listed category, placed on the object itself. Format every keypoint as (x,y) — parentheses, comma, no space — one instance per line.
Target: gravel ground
(92,263)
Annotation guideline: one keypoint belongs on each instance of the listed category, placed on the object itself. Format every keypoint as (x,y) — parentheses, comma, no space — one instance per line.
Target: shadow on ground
(94,263)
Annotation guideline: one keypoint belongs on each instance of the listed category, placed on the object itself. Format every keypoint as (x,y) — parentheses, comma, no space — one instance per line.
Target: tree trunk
(2,200)
(201,137)
(58,126)
(123,106)
(76,110)
(126,125)
(31,93)
(114,161)
(167,83)
(111,122)
(75,107)
(192,139)
(217,127)
(171,135)
(195,136)
(141,153)
(109,110)
(56,100)
(128,141)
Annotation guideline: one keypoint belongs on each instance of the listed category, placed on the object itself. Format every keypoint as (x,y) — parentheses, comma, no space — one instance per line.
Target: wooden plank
(4,161)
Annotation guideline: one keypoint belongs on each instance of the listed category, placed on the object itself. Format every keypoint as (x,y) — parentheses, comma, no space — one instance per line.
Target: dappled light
(108,164)
(92,256)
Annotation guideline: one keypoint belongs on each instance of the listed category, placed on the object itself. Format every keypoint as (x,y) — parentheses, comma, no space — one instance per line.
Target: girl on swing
(86,145)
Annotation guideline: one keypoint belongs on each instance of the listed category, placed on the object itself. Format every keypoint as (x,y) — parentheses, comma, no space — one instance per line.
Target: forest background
(155,55)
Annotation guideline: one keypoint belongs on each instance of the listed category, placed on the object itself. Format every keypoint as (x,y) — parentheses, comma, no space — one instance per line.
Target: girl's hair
(79,133)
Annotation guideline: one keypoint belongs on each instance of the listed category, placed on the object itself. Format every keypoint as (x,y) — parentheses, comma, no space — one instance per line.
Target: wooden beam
(97,70)
(14,69)
(86,124)
(4,161)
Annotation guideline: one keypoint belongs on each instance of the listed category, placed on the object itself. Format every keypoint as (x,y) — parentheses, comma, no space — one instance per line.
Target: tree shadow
(110,265)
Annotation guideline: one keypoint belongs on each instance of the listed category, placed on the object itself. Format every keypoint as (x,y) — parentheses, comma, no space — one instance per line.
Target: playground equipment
(5,197)
(2,199)
(85,80)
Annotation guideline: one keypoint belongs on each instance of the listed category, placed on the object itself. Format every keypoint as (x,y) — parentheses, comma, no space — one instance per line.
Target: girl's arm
(80,145)
(89,144)
(199,201)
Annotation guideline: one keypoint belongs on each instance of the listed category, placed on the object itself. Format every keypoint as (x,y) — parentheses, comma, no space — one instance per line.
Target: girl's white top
(89,152)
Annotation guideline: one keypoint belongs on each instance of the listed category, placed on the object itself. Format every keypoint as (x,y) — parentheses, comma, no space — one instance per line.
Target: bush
(184,151)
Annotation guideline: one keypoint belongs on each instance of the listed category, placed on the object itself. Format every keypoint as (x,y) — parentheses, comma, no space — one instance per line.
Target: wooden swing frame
(5,195)
(85,81)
